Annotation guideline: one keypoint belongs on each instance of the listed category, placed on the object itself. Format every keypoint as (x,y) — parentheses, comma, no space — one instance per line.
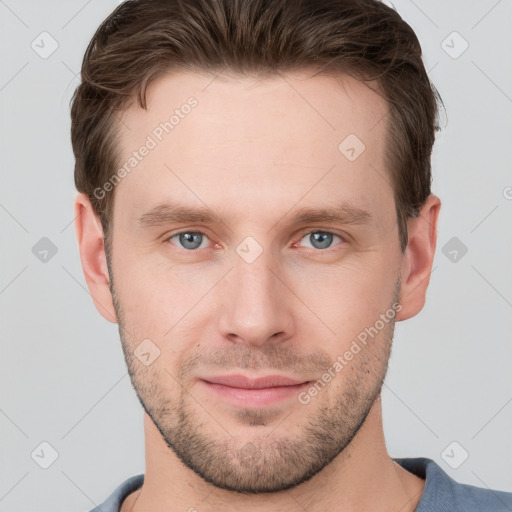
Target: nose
(256,304)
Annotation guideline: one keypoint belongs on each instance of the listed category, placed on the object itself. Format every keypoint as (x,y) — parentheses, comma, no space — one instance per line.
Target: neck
(362,477)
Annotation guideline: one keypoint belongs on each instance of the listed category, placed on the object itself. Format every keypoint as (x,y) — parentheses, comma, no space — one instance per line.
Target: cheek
(159,302)
(348,297)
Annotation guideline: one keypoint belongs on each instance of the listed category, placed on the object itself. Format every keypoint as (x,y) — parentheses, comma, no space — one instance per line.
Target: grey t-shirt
(441,493)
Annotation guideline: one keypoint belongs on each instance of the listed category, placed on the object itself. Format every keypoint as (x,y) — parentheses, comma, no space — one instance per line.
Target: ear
(417,259)
(89,235)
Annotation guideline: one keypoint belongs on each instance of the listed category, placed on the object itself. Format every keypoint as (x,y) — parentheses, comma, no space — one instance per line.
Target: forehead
(256,141)
(245,106)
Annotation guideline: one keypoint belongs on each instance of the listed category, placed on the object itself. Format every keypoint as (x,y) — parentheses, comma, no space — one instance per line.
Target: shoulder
(485,499)
(444,494)
(113,502)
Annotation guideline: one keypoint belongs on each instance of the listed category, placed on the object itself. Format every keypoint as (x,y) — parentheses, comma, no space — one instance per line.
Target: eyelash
(302,235)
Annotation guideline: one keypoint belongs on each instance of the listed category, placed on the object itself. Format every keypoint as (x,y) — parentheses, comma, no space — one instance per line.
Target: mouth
(243,391)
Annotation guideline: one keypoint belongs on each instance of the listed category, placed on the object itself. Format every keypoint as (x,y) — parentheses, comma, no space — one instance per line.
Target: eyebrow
(169,213)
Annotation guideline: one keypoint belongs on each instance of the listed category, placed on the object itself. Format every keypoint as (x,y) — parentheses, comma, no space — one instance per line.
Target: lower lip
(243,397)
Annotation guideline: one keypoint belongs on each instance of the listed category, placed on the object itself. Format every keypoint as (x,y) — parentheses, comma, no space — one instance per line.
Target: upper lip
(241,381)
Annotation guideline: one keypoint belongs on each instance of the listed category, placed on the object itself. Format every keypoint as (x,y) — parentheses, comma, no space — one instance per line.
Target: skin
(257,150)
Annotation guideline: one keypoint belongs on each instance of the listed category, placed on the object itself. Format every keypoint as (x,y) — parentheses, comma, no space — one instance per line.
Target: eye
(189,240)
(193,240)
(321,239)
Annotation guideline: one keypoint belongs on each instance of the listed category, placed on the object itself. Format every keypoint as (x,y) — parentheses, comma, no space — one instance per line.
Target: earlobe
(89,236)
(418,258)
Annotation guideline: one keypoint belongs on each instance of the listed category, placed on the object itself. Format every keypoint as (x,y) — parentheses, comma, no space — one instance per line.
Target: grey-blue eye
(193,240)
(320,239)
(189,240)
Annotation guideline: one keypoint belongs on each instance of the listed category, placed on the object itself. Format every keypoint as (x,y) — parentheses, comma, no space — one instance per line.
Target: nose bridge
(255,283)
(255,308)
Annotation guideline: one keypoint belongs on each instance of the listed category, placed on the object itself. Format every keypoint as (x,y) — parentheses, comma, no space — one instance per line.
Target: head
(255,199)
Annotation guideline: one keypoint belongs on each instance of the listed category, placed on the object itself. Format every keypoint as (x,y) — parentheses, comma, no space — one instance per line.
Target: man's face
(258,293)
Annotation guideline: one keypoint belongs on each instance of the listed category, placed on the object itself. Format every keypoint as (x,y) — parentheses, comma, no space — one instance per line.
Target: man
(255,213)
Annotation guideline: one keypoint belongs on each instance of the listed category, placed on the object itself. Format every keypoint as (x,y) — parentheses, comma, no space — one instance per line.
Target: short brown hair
(142,40)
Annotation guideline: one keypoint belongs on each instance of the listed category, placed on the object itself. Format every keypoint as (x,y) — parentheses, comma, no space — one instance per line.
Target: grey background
(63,376)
